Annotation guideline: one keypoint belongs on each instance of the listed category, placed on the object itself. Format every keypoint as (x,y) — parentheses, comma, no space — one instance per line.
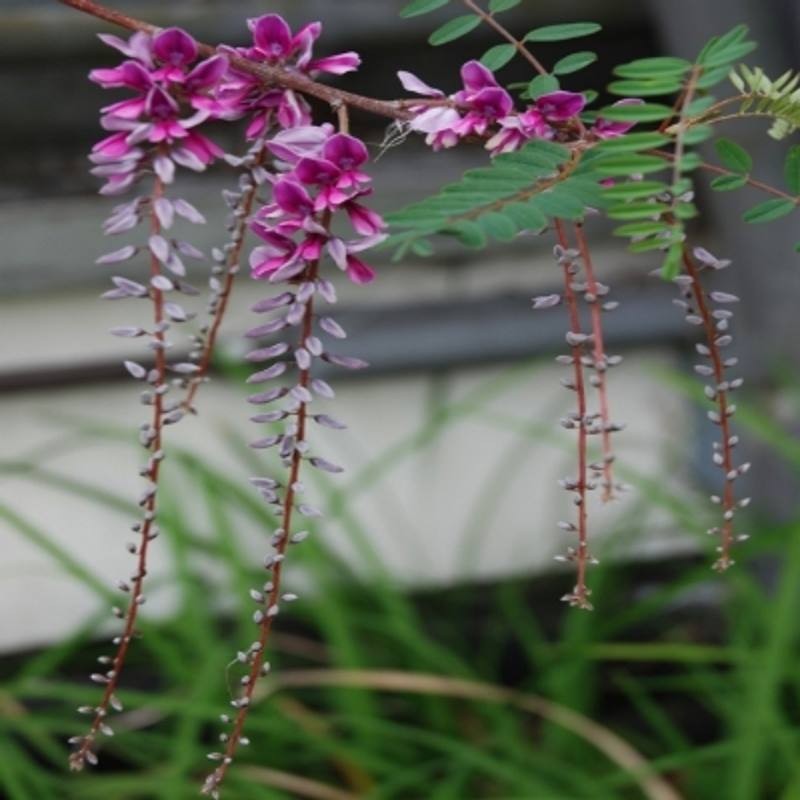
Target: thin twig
(492,22)
(580,596)
(244,209)
(600,362)
(270,75)
(85,750)
(725,409)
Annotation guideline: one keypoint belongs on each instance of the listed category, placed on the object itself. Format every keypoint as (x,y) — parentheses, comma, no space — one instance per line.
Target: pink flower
(608,129)
(274,44)
(342,255)
(171,98)
(323,176)
(560,106)
(482,98)
(175,49)
(278,253)
(475,78)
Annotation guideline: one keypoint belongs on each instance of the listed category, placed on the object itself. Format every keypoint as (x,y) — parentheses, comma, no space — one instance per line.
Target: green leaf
(698,106)
(632,164)
(422,247)
(574,62)
(632,142)
(555,203)
(542,84)
(468,233)
(791,169)
(636,211)
(417,7)
(712,77)
(726,183)
(717,43)
(645,112)
(499,226)
(769,210)
(690,161)
(634,190)
(499,6)
(698,134)
(641,228)
(454,29)
(642,88)
(646,245)
(497,57)
(526,216)
(659,67)
(733,155)
(671,267)
(558,33)
(727,56)
(686,211)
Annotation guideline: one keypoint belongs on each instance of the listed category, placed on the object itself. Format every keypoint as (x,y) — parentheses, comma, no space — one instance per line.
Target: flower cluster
(156,128)
(151,136)
(244,94)
(712,312)
(482,108)
(274,44)
(322,175)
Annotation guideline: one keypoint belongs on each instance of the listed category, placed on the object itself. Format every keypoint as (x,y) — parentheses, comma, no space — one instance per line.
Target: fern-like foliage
(779,98)
(521,191)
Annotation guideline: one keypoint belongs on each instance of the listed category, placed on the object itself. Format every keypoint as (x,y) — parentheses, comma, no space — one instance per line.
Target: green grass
(379,694)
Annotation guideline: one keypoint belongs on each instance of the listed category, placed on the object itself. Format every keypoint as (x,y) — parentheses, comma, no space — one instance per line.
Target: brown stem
(680,136)
(717,170)
(728,498)
(270,75)
(600,362)
(232,263)
(272,599)
(79,758)
(492,22)
(580,596)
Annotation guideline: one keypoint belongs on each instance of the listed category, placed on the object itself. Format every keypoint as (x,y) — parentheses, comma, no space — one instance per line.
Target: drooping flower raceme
(319,177)
(153,131)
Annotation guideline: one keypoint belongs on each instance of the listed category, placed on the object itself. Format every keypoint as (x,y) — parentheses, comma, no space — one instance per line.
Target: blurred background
(436,554)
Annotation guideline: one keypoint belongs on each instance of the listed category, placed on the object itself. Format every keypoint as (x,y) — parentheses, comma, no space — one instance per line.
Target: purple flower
(171,98)
(364,220)
(482,99)
(475,78)
(323,176)
(278,253)
(293,199)
(488,106)
(274,44)
(608,129)
(560,106)
(176,49)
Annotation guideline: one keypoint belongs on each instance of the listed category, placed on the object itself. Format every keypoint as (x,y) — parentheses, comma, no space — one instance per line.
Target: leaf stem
(491,21)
